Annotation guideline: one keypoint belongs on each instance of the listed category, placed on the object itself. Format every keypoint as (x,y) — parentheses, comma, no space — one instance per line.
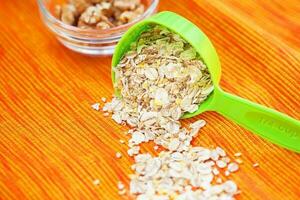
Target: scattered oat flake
(96,182)
(220,151)
(232,167)
(230,187)
(226,159)
(238,154)
(96,106)
(219,180)
(214,155)
(215,171)
(255,165)
(121,186)
(118,155)
(227,173)
(198,124)
(133,151)
(221,164)
(117,118)
(138,137)
(122,192)
(103,99)
(122,141)
(106,114)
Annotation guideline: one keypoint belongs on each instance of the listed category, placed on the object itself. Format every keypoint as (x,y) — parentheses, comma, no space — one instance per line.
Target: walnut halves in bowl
(99,14)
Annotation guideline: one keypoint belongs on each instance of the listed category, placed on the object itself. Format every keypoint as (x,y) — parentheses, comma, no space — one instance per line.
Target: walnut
(94,1)
(102,25)
(80,5)
(83,25)
(106,9)
(128,16)
(116,13)
(140,9)
(156,89)
(126,4)
(92,15)
(98,14)
(57,11)
(68,14)
(107,21)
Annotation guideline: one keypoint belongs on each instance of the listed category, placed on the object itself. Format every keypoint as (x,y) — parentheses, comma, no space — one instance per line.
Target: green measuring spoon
(269,124)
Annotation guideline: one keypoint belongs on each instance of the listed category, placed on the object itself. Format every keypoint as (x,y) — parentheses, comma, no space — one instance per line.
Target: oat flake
(96,106)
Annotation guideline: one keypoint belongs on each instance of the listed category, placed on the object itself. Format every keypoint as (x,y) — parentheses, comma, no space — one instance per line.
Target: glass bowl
(88,41)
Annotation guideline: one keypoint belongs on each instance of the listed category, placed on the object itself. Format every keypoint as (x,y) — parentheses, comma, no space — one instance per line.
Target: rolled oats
(103,99)
(215,171)
(137,137)
(160,79)
(239,161)
(219,180)
(96,182)
(221,164)
(227,173)
(118,155)
(220,151)
(232,167)
(121,186)
(122,192)
(238,154)
(122,141)
(255,165)
(96,106)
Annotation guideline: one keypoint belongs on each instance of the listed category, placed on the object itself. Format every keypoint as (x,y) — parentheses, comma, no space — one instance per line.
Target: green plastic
(269,124)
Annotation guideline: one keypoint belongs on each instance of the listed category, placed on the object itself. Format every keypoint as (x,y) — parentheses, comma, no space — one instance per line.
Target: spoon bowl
(269,124)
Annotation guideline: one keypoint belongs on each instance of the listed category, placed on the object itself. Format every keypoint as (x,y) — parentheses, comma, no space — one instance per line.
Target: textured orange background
(52,145)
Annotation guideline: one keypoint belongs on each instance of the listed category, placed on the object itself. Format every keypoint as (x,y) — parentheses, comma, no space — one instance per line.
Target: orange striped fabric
(53,146)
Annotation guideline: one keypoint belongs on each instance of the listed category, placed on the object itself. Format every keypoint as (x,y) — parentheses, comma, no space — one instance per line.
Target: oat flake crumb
(239,161)
(219,180)
(221,164)
(96,106)
(232,167)
(238,154)
(227,173)
(96,182)
(118,155)
(122,141)
(122,192)
(121,186)
(255,165)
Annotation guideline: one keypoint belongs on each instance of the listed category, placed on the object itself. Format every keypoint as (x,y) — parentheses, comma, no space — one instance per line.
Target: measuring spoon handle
(270,124)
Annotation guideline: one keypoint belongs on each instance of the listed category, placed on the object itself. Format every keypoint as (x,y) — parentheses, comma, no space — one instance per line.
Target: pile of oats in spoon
(159,79)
